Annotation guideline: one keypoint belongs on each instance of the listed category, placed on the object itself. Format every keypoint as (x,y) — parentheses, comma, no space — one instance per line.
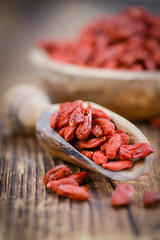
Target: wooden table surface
(27,211)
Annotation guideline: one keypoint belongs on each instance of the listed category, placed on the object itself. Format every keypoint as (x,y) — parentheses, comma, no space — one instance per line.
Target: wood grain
(28,210)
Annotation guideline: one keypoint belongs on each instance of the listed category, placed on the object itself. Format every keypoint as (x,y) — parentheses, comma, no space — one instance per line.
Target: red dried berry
(73,192)
(87,154)
(99,157)
(97,131)
(118,165)
(151,198)
(122,195)
(84,129)
(138,150)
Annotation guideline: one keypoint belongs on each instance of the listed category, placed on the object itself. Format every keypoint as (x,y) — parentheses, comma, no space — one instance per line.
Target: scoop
(26,109)
(52,142)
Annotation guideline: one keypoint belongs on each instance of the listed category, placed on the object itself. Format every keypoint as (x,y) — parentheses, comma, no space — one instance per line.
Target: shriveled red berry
(151,198)
(99,157)
(122,195)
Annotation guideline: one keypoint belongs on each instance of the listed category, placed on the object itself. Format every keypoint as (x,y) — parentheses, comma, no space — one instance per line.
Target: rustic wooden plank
(147,220)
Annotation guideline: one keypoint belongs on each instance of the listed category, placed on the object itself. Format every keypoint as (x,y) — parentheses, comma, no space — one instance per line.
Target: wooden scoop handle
(22,106)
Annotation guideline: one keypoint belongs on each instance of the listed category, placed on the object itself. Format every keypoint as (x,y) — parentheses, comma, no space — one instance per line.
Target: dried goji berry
(112,145)
(138,150)
(73,192)
(70,132)
(65,116)
(118,165)
(122,195)
(99,157)
(52,171)
(97,113)
(63,107)
(64,119)
(151,198)
(87,154)
(51,185)
(80,177)
(119,131)
(84,129)
(61,132)
(54,120)
(75,104)
(107,126)
(76,117)
(97,131)
(113,42)
(77,146)
(124,139)
(91,143)
(62,173)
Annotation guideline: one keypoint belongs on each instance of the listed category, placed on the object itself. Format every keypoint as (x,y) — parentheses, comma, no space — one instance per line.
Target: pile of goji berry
(127,40)
(91,132)
(60,180)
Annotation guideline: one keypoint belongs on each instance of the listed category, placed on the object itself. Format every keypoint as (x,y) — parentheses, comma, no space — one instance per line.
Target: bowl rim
(41,60)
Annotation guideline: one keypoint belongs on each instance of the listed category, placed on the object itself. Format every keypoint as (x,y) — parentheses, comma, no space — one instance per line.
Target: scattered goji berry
(62,173)
(51,185)
(151,198)
(80,177)
(122,195)
(53,171)
(73,192)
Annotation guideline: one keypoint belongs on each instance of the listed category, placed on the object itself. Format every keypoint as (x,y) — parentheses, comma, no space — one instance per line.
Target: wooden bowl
(135,95)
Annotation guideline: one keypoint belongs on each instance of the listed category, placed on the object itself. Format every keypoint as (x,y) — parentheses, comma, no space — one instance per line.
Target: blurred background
(24,22)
